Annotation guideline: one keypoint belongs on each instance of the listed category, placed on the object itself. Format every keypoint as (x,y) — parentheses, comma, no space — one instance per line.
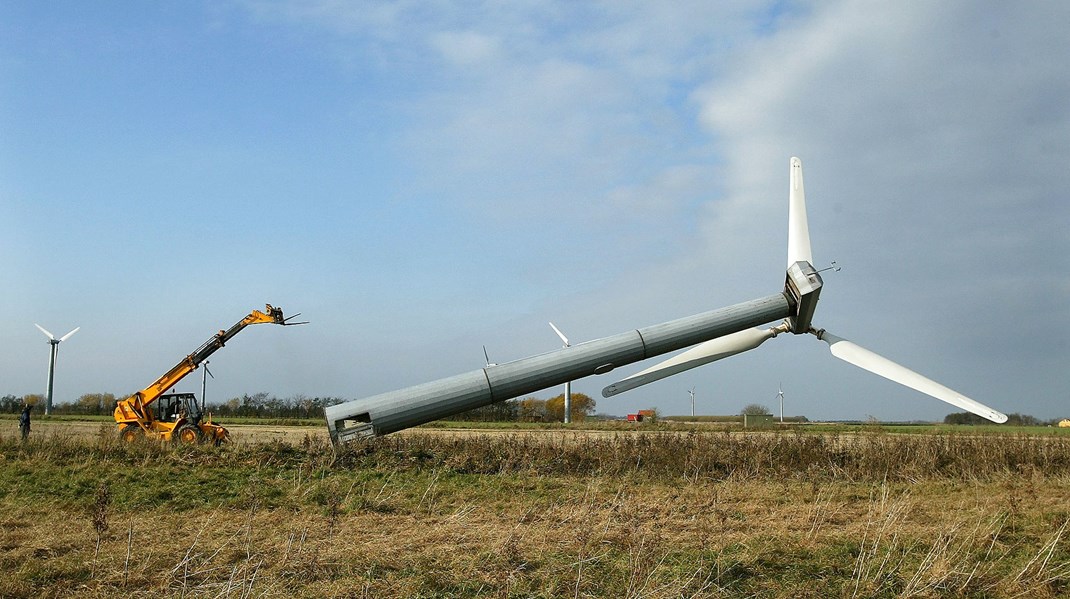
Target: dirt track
(239,433)
(257,433)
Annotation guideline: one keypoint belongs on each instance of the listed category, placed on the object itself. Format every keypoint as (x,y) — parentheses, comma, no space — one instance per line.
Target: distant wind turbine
(568,384)
(204,382)
(780,396)
(692,393)
(52,361)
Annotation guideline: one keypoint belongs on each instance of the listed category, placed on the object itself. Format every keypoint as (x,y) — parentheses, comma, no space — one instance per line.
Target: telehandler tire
(131,433)
(187,434)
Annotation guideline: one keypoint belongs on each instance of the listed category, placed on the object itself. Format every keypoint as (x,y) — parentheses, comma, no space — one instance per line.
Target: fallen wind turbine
(52,362)
(804,284)
(715,334)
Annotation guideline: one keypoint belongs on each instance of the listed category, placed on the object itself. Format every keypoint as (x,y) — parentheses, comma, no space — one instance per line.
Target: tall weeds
(698,456)
(872,456)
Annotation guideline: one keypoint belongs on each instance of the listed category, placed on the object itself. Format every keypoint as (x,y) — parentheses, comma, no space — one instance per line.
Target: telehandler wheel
(131,433)
(187,434)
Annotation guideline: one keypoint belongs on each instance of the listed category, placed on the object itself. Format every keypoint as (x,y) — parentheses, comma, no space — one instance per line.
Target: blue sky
(422,179)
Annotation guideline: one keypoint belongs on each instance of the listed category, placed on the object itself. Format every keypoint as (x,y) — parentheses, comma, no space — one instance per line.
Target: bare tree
(755,409)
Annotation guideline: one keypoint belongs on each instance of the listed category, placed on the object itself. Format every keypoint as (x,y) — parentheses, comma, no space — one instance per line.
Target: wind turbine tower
(780,396)
(204,382)
(52,362)
(692,393)
(568,384)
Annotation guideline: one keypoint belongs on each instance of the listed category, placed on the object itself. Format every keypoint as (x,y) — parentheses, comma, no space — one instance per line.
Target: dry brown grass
(661,517)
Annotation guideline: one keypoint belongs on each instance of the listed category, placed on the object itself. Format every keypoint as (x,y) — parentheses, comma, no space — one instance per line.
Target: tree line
(528,409)
(266,405)
(262,405)
(532,409)
(1012,419)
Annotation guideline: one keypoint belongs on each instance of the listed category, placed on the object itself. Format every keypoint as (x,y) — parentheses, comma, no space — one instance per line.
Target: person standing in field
(24,422)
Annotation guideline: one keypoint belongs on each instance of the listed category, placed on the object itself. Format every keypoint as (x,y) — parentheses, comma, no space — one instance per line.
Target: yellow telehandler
(177,417)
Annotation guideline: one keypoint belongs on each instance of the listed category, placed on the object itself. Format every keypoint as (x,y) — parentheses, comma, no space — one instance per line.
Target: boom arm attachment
(134,408)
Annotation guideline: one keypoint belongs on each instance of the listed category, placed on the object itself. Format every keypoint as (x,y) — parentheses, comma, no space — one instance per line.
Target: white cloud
(465,49)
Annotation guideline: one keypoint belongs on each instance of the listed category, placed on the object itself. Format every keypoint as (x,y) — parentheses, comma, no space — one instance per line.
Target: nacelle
(803,287)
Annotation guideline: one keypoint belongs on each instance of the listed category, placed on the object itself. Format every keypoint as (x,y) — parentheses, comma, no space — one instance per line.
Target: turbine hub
(802,288)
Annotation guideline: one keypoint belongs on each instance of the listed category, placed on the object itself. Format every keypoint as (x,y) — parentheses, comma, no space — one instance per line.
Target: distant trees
(265,405)
(89,404)
(754,409)
(502,411)
(964,418)
(9,404)
(531,409)
(95,404)
(1012,419)
(1023,420)
(582,406)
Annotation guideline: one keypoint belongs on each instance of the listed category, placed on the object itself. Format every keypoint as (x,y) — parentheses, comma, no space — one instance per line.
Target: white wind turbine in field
(804,284)
(780,396)
(568,384)
(52,341)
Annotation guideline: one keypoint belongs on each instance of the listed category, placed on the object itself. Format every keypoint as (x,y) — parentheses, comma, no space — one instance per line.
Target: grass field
(560,514)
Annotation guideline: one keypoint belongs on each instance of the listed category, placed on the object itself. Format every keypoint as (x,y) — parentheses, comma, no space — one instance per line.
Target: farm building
(642,415)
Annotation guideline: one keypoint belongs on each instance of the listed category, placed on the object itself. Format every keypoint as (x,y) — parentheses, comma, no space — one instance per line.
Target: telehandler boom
(153,413)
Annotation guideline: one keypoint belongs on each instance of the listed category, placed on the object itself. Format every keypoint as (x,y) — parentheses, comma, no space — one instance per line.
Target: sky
(423,179)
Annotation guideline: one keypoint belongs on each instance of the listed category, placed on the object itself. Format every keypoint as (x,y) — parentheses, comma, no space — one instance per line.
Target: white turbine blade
(559,334)
(44,331)
(68,335)
(798,230)
(877,364)
(703,353)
